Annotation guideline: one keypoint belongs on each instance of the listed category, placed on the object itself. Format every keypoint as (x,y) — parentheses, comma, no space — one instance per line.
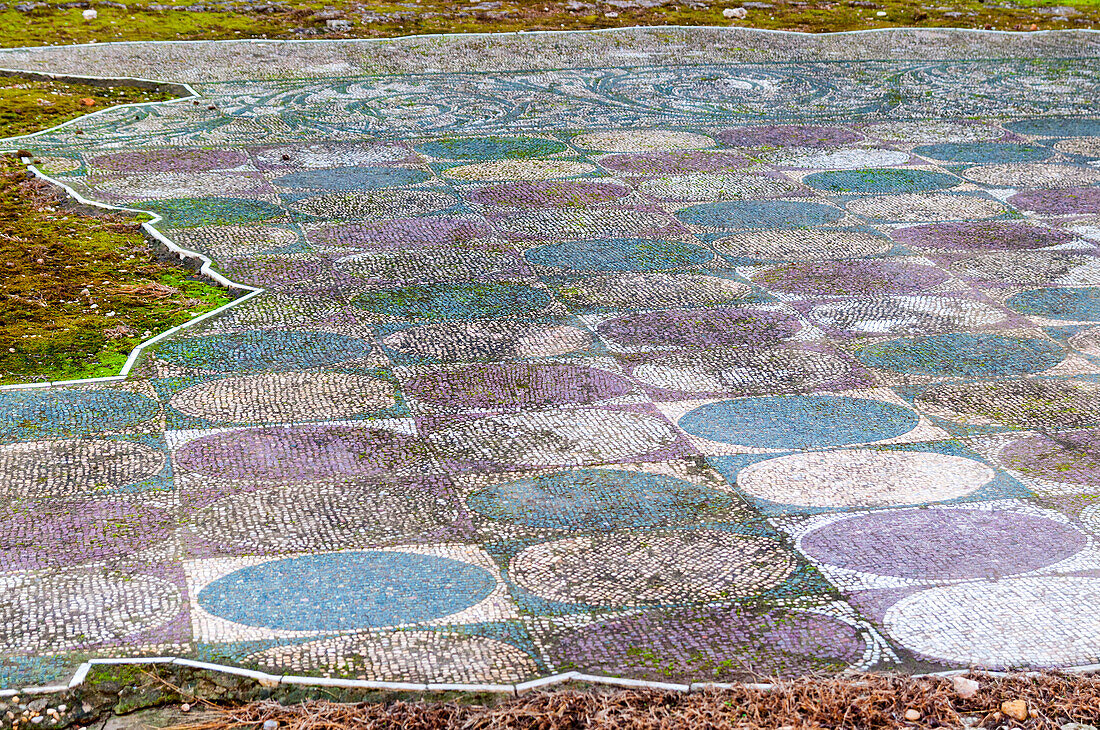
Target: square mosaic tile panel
(682,355)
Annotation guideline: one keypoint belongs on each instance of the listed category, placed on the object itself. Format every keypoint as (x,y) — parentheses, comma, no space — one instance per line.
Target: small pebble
(90,14)
(271,724)
(734,13)
(912,715)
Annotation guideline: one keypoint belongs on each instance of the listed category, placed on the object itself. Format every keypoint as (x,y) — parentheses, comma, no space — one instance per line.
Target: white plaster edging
(206,269)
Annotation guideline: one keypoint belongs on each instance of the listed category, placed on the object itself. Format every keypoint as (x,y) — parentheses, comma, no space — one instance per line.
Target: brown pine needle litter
(853,701)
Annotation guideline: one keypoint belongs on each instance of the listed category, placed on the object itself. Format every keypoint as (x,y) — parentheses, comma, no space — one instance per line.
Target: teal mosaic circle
(191,212)
(490,148)
(26,414)
(263,351)
(880,181)
(619,254)
(760,214)
(456,301)
(959,354)
(1081,305)
(978,153)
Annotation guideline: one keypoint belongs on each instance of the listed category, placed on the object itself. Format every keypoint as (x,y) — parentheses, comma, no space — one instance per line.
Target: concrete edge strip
(275,680)
(205,264)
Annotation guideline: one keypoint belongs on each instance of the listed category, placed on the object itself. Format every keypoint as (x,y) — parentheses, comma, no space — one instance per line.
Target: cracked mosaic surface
(682,355)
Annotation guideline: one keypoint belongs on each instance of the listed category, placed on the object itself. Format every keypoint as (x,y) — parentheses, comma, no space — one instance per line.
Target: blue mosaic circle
(491,148)
(263,351)
(1056,127)
(345,591)
(1082,305)
(38,413)
(619,254)
(880,181)
(352,178)
(963,354)
(456,301)
(983,152)
(760,214)
(191,212)
(798,421)
(601,499)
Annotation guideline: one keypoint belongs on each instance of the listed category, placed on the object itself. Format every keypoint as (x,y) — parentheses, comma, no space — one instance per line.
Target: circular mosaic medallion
(1025,403)
(490,148)
(1034,175)
(345,591)
(760,214)
(402,233)
(487,340)
(983,153)
(300,453)
(456,301)
(40,469)
(799,421)
(770,370)
(913,207)
(1041,622)
(716,643)
(375,205)
(672,163)
(905,315)
(1070,456)
(208,211)
(418,265)
(655,290)
(1067,201)
(262,350)
(1084,146)
(1081,305)
(57,412)
(1029,267)
(169,160)
(803,245)
(288,396)
(712,186)
(980,236)
(229,241)
(554,438)
(644,568)
(69,610)
(515,386)
(932,132)
(320,156)
(837,278)
(407,656)
(879,182)
(1087,341)
(959,354)
(1056,127)
(699,328)
(619,254)
(648,140)
(178,185)
(954,544)
(599,499)
(351,178)
(844,159)
(792,135)
(519,170)
(863,478)
(548,193)
(590,223)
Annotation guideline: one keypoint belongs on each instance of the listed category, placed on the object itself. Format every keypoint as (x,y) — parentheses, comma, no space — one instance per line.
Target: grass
(30,105)
(78,292)
(54,25)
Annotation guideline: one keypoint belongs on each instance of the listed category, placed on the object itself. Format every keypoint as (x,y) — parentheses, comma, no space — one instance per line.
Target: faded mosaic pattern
(692,372)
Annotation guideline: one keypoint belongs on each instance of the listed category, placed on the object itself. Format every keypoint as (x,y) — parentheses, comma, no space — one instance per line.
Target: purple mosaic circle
(404,233)
(1065,201)
(784,135)
(700,328)
(170,160)
(944,544)
(1072,456)
(552,193)
(868,277)
(673,163)
(300,453)
(719,643)
(81,532)
(979,236)
(515,386)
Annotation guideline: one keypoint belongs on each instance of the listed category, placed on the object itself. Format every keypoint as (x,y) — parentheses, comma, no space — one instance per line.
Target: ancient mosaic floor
(675,355)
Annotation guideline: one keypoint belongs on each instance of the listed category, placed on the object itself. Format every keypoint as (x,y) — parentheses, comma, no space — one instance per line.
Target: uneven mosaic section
(676,378)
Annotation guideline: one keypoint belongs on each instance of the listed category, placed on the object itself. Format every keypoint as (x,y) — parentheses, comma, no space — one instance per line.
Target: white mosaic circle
(1084,146)
(717,187)
(38,469)
(766,370)
(441,265)
(288,396)
(892,315)
(554,438)
(407,656)
(488,339)
(802,245)
(932,132)
(863,478)
(231,241)
(375,205)
(176,185)
(914,207)
(519,170)
(648,140)
(67,610)
(1038,622)
(1035,175)
(847,159)
(1065,268)
(320,156)
(1090,517)
(639,568)
(652,290)
(1087,341)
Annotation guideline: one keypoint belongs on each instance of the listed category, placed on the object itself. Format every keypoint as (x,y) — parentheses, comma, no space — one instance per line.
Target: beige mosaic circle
(848,159)
(492,339)
(1084,146)
(1090,518)
(554,438)
(176,185)
(717,187)
(1087,341)
(932,132)
(802,245)
(229,241)
(1035,175)
(652,290)
(643,140)
(1034,622)
(519,170)
(375,205)
(58,164)
(73,609)
(914,207)
(641,568)
(747,370)
(407,656)
(445,264)
(905,314)
(288,396)
(863,478)
(39,469)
